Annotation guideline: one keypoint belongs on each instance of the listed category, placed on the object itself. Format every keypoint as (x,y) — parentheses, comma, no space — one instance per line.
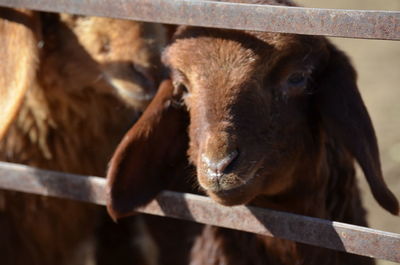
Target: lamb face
(248,97)
(128,54)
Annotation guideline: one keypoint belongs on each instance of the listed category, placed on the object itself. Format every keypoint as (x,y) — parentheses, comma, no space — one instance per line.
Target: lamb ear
(19,57)
(345,117)
(149,156)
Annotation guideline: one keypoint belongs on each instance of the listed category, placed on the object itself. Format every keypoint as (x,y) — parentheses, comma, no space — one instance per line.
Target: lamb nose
(218,167)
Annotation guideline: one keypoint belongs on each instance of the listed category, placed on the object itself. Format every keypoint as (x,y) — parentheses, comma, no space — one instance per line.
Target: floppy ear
(149,156)
(345,117)
(19,57)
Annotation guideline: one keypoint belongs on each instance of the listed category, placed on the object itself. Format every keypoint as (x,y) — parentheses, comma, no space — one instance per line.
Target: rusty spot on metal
(318,232)
(311,21)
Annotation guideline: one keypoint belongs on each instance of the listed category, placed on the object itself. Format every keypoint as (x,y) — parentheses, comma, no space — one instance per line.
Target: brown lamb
(275,120)
(64,85)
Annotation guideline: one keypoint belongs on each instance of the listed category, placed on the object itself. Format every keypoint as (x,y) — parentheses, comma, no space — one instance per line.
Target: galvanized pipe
(334,235)
(310,21)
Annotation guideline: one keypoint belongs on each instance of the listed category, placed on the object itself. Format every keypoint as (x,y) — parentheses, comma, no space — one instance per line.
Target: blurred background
(378,66)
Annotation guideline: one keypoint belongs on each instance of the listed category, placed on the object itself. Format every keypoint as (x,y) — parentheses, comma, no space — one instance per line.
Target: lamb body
(276,121)
(65,109)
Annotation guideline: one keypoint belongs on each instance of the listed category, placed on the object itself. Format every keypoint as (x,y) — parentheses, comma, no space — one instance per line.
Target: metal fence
(328,22)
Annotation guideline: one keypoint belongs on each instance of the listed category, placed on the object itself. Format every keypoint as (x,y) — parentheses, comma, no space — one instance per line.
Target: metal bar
(334,235)
(310,21)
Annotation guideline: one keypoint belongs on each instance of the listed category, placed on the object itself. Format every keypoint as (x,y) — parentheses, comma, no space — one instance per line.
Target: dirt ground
(378,66)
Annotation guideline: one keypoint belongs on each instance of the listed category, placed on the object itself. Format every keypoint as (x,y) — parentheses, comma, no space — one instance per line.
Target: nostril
(223,165)
(226,163)
(230,163)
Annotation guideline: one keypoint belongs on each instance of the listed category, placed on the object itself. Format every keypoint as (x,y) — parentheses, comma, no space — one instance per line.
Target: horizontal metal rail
(311,21)
(334,235)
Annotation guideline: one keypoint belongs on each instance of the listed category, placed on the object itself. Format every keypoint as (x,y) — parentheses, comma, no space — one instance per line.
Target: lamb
(276,121)
(70,87)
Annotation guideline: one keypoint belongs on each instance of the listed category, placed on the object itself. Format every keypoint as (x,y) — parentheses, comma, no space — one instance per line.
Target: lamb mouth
(127,93)
(232,197)
(133,95)
(239,194)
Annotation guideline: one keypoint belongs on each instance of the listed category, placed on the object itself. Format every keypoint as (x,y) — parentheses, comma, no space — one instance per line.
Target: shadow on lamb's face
(248,96)
(128,53)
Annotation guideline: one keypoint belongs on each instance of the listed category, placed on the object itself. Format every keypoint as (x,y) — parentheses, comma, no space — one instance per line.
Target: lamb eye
(179,82)
(183,88)
(180,92)
(180,88)
(297,79)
